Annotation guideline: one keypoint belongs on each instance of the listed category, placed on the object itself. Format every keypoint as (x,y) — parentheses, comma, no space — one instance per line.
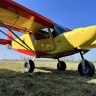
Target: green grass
(45,81)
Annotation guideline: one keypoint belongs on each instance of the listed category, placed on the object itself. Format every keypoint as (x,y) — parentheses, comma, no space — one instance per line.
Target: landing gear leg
(86,68)
(29,66)
(61,65)
(83,62)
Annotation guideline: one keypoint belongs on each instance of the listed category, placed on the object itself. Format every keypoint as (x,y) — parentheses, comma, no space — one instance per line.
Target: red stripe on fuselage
(40,53)
(27,52)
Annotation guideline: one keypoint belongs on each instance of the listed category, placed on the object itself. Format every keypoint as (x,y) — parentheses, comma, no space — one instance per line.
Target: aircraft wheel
(61,65)
(29,66)
(90,69)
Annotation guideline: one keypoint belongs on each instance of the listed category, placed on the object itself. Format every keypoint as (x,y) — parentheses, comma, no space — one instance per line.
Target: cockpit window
(55,29)
(42,34)
(58,30)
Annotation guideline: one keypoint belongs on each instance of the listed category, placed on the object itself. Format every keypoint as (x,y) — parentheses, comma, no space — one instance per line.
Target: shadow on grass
(66,72)
(54,83)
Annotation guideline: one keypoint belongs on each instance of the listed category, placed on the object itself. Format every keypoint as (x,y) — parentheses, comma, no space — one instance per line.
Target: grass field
(45,81)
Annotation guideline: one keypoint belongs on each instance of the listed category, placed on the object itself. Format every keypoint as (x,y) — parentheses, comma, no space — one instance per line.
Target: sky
(69,13)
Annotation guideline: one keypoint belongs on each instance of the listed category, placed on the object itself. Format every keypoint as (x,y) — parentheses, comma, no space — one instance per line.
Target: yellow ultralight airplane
(43,38)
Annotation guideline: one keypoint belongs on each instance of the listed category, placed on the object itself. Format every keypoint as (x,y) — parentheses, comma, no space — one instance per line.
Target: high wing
(23,19)
(14,16)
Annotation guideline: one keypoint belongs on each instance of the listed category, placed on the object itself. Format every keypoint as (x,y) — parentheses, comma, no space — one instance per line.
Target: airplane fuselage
(63,44)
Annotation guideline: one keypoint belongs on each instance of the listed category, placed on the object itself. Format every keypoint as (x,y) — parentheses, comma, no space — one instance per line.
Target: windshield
(58,30)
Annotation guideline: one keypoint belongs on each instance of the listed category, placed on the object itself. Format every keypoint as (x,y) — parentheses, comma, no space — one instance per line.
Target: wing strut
(15,36)
(13,24)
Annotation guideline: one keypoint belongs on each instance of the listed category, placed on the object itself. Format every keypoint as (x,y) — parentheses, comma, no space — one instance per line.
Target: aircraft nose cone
(83,36)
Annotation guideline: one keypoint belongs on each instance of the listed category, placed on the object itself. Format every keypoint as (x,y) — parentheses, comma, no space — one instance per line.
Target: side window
(42,34)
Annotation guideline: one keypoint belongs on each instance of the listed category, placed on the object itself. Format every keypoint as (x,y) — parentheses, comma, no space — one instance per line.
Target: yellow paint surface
(10,18)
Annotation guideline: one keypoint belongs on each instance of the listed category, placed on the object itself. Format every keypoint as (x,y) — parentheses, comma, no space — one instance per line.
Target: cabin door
(44,40)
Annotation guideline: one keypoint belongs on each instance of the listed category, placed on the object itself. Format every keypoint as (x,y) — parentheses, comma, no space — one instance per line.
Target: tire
(61,66)
(90,69)
(29,66)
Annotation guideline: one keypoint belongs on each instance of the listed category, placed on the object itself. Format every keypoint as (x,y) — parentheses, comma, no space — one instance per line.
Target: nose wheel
(86,68)
(61,65)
